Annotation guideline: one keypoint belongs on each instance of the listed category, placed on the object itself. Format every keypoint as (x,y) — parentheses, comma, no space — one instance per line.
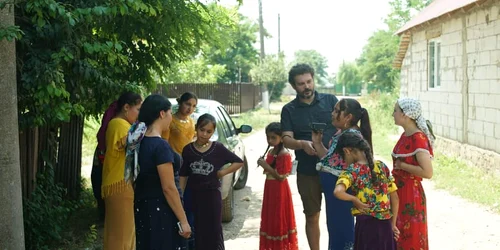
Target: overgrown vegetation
(53,222)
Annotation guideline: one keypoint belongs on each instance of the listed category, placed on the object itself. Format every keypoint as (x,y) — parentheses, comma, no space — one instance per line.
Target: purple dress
(201,168)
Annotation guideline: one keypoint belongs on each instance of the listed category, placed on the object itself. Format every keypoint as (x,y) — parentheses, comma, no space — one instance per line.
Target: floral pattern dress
(359,178)
(412,217)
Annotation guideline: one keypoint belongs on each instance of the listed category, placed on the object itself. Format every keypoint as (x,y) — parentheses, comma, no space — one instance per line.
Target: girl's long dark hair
(354,140)
(151,107)
(359,114)
(275,127)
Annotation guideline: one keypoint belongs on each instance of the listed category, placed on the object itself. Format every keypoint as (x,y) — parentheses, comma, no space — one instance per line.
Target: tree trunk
(11,207)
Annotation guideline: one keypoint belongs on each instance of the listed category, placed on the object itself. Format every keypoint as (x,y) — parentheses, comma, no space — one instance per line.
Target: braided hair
(353,140)
(275,128)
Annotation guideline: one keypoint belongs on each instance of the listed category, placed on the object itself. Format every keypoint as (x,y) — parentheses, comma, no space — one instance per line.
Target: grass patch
(449,173)
(83,231)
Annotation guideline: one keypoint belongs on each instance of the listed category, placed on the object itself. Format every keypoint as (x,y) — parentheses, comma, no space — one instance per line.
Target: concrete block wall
(483,71)
(478,69)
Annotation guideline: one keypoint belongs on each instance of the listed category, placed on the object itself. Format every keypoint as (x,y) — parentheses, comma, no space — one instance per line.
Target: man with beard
(296,116)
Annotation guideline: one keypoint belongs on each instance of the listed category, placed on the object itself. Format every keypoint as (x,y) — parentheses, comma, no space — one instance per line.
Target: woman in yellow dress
(117,191)
(182,131)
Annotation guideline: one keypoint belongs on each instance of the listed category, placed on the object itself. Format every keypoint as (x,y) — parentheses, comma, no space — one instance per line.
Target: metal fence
(236,97)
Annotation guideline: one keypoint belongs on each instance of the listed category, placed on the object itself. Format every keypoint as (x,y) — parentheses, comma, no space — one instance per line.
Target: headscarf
(134,138)
(110,113)
(412,108)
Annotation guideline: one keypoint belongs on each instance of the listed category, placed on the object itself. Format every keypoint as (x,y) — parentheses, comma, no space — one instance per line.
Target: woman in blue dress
(160,220)
(348,115)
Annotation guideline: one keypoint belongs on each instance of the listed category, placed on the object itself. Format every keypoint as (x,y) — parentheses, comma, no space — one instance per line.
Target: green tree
(240,55)
(315,60)
(349,76)
(375,62)
(197,70)
(273,73)
(77,56)
(402,11)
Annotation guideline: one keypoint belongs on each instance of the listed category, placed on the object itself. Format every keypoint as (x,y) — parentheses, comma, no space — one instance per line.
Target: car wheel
(228,207)
(242,180)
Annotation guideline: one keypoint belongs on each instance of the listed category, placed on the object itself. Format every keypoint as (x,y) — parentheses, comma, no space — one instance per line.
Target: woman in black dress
(157,205)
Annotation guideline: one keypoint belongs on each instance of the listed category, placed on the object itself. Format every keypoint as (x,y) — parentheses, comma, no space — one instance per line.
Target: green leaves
(10,33)
(375,62)
(349,76)
(315,60)
(79,56)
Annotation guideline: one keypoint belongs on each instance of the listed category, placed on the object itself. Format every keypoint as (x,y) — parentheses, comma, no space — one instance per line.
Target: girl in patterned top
(374,196)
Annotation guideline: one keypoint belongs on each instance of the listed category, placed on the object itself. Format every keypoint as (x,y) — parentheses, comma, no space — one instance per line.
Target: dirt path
(454,223)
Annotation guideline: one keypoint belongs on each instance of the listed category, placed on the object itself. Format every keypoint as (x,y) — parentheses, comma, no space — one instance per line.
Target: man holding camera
(309,109)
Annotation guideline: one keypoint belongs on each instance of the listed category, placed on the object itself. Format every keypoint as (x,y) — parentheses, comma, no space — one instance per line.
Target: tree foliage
(75,57)
(237,55)
(349,76)
(315,60)
(196,70)
(375,62)
(241,55)
(273,73)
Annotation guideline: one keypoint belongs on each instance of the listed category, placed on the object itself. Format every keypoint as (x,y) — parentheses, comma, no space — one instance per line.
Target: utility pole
(279,34)
(265,92)
(11,206)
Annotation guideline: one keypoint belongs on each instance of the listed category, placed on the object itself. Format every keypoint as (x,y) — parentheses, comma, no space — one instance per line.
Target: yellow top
(180,133)
(113,180)
(359,177)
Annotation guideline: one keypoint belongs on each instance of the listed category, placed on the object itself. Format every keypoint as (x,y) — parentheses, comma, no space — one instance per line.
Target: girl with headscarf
(412,162)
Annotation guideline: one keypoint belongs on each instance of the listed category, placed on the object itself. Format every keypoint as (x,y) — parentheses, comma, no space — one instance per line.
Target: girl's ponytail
(366,128)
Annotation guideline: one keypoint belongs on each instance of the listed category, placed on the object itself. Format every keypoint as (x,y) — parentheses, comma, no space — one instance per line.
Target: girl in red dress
(278,230)
(412,162)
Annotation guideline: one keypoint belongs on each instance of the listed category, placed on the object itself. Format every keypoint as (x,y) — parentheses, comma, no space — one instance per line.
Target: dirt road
(454,223)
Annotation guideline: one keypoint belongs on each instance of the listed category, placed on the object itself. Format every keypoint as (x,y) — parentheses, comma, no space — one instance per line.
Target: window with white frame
(434,63)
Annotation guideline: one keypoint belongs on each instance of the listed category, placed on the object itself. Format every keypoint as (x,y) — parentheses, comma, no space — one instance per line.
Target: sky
(338,29)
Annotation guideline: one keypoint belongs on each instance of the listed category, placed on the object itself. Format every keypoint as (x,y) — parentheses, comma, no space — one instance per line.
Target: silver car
(227,134)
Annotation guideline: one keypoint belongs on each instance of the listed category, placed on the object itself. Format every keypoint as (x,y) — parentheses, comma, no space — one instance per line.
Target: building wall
(466,107)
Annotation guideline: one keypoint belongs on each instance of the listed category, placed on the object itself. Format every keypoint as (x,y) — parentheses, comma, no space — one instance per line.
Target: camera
(317,126)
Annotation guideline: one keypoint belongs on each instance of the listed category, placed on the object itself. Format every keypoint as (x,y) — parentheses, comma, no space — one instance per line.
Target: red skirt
(412,216)
(278,230)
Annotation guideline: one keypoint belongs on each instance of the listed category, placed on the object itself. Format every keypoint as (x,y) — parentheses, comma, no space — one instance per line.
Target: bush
(276,90)
(46,212)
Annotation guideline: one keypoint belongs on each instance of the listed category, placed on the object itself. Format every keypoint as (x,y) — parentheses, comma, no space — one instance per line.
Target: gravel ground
(454,223)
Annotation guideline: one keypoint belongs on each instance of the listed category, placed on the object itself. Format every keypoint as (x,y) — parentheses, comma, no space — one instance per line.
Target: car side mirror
(245,129)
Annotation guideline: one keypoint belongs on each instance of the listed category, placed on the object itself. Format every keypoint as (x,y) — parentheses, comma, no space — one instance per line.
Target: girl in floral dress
(278,230)
(412,162)
(374,194)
